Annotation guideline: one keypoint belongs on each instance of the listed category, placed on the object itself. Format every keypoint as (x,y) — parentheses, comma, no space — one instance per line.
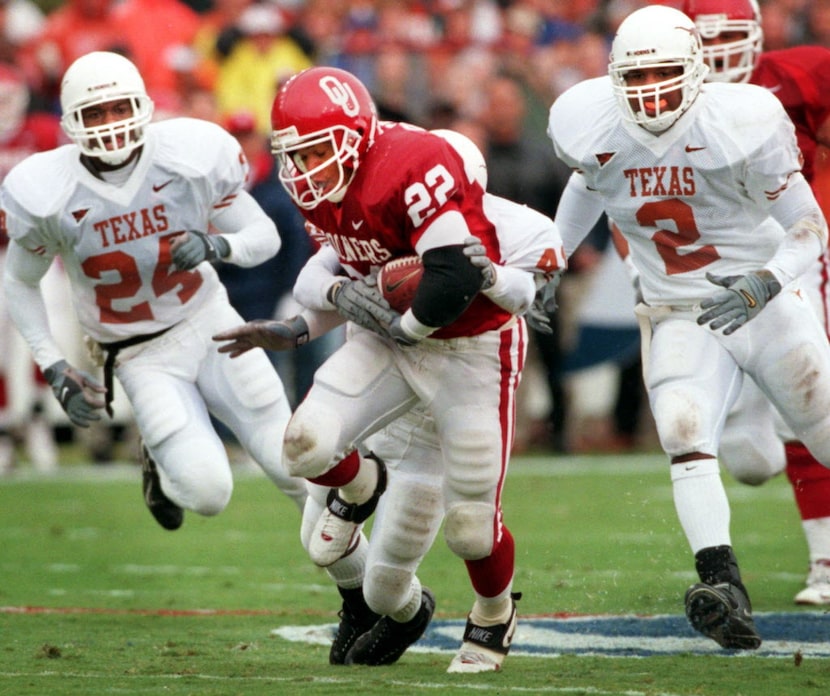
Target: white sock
(491,611)
(817,532)
(348,571)
(363,485)
(701,503)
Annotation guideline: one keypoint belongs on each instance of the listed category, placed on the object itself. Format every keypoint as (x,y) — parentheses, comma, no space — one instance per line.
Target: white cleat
(336,533)
(817,592)
(484,647)
(332,539)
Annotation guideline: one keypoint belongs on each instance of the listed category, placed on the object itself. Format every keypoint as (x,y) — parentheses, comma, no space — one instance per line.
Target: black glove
(745,296)
(191,248)
(360,302)
(75,391)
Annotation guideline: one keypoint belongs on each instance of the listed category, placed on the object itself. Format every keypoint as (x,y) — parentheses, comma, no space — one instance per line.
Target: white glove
(745,296)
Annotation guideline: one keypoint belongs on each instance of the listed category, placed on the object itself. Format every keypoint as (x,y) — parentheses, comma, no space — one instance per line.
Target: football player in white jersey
(704,183)
(129,208)
(377,580)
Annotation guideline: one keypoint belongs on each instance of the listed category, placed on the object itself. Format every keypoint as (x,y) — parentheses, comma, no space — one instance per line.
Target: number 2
(670,243)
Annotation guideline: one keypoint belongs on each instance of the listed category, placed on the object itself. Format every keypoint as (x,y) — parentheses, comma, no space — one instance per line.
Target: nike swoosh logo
(159,187)
(357,225)
(774,88)
(689,148)
(391,287)
(63,394)
(750,300)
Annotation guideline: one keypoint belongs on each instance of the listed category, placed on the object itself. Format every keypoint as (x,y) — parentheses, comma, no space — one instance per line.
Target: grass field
(97,599)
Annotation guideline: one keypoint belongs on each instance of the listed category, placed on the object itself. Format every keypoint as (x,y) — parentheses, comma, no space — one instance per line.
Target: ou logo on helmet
(340,94)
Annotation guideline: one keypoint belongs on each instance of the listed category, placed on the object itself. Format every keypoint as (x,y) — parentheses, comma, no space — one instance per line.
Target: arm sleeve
(26,307)
(250,233)
(448,286)
(579,210)
(797,211)
(514,289)
(315,279)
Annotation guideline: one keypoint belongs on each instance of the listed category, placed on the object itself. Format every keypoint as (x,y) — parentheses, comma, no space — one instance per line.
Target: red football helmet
(318,106)
(730,59)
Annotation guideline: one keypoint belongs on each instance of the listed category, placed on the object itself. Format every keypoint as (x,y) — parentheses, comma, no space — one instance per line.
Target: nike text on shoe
(337,529)
(817,591)
(722,612)
(388,639)
(354,622)
(484,647)
(167,513)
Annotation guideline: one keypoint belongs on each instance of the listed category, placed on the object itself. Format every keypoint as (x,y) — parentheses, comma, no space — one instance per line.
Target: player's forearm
(806,238)
(513,290)
(320,322)
(315,279)
(251,235)
(578,211)
(27,308)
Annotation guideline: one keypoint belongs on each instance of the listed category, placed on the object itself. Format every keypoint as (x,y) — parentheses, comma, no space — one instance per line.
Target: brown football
(398,280)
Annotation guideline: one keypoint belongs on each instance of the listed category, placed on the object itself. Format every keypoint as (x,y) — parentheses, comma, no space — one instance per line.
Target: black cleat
(355,619)
(723,613)
(388,639)
(167,513)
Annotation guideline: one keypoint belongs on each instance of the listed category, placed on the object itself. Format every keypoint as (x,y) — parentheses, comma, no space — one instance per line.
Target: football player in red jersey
(380,191)
(800,77)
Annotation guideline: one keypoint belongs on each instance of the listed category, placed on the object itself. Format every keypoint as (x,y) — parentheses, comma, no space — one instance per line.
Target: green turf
(593,535)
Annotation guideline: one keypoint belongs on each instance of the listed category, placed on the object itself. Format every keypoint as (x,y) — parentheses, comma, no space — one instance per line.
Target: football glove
(362,303)
(286,334)
(193,247)
(75,391)
(745,296)
(477,253)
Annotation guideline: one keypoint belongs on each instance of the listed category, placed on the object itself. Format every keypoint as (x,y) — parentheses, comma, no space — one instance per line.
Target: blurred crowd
(488,68)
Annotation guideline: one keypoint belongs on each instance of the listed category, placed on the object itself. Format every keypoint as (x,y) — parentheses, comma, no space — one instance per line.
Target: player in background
(128,208)
(410,512)
(381,191)
(800,77)
(22,134)
(705,186)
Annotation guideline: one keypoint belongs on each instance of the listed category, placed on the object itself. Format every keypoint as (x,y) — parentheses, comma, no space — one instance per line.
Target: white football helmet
(656,36)
(733,60)
(98,78)
(474,164)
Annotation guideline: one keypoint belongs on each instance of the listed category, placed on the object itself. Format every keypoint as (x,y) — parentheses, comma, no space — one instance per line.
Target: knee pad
(468,529)
(681,422)
(311,440)
(386,588)
(751,460)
